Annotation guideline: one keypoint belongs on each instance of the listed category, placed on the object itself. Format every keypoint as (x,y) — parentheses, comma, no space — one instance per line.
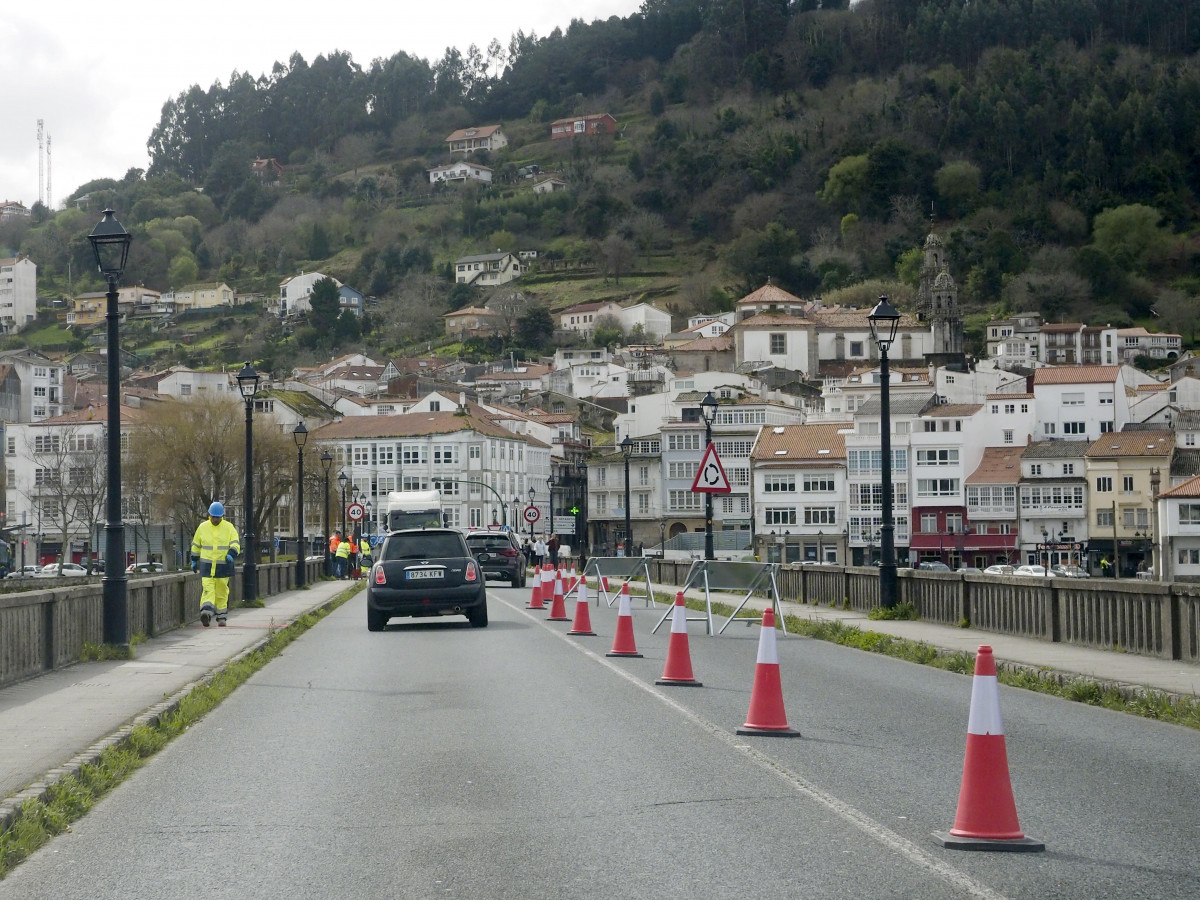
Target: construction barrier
(619,568)
(734,577)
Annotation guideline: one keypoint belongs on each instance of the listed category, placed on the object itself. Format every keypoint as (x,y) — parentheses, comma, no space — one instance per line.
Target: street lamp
(110,244)
(627,451)
(342,479)
(662,539)
(326,463)
(885,322)
(247,380)
(708,409)
(300,435)
(532,494)
(370,507)
(550,487)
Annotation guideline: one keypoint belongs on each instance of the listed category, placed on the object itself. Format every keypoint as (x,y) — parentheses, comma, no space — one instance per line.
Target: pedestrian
(552,548)
(1105,567)
(333,545)
(540,550)
(214,547)
(365,554)
(528,548)
(353,558)
(342,558)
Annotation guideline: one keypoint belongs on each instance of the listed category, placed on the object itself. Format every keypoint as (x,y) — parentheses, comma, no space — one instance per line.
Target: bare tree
(69,489)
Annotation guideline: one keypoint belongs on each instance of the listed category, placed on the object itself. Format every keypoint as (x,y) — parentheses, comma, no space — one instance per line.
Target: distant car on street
(143,568)
(25,572)
(1034,571)
(969,570)
(51,570)
(1065,571)
(933,565)
(1000,569)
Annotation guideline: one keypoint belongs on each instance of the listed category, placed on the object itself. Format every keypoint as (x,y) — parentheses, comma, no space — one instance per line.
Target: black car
(425,572)
(499,555)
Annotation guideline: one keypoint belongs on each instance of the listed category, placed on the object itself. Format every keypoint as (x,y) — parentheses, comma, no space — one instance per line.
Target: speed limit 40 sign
(532,514)
(355,511)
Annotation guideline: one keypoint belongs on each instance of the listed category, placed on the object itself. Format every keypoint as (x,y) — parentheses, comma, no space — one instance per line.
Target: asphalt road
(437,760)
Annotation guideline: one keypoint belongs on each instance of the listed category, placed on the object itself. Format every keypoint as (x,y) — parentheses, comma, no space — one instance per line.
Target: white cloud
(99,75)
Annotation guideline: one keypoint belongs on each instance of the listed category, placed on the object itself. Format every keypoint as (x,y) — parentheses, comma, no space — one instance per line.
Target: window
(1127,518)
(1189,556)
(944,457)
(779,515)
(954,523)
(1035,469)
(775,484)
(1024,407)
(1048,427)
(856,348)
(1143,519)
(1068,468)
(1104,518)
(683,441)
(1189,513)
(387,454)
(929,523)
(445,454)
(1106,398)
(818,484)
(414,454)
(820,515)
(684,470)
(1189,439)
(45,443)
(1008,435)
(685,500)
(1127,484)
(1104,484)
(1074,428)
(1106,427)
(937,487)
(643,504)
(474,452)
(778,343)
(1072,399)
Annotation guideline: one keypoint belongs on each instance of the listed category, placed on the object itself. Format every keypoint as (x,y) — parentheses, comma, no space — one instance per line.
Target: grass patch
(73,795)
(1149,704)
(899,611)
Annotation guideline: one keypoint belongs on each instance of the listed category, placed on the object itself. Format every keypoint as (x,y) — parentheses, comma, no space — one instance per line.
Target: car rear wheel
(478,617)
(518,580)
(376,621)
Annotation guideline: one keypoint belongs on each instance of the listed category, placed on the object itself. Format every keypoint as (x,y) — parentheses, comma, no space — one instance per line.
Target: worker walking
(214,548)
(342,557)
(365,554)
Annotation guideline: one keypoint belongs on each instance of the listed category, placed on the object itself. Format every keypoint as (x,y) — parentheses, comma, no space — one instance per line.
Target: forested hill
(1053,142)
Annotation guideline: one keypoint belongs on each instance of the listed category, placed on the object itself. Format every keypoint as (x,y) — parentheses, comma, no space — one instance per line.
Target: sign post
(531,514)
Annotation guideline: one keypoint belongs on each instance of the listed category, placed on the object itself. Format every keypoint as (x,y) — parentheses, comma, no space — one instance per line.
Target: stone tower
(937,300)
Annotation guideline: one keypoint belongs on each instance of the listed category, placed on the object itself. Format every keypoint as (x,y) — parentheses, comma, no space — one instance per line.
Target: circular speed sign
(532,514)
(355,511)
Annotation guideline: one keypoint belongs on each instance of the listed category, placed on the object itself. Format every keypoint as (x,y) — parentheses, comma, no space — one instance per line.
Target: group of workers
(350,556)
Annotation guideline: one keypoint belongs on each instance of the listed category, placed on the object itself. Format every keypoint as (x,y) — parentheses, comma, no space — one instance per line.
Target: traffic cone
(678,669)
(766,716)
(558,608)
(987,815)
(535,601)
(572,581)
(583,619)
(623,643)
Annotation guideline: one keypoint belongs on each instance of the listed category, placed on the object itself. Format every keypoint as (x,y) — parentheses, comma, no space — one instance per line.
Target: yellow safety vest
(212,544)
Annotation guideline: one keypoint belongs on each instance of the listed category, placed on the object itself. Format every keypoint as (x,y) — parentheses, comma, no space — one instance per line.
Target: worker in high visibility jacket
(364,551)
(214,548)
(342,556)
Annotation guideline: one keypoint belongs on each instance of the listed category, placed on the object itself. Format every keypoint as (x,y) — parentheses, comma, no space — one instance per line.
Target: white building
(41,383)
(185,384)
(488,269)
(295,291)
(1178,544)
(460,170)
(655,323)
(18,293)
(1080,403)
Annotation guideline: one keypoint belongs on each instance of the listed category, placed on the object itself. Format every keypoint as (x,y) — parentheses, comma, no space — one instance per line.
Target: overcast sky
(97,73)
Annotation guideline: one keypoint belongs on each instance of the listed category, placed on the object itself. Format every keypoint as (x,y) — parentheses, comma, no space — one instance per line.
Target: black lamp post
(247,380)
(662,539)
(708,408)
(326,463)
(885,322)
(342,479)
(550,487)
(532,494)
(370,508)
(110,244)
(300,435)
(627,451)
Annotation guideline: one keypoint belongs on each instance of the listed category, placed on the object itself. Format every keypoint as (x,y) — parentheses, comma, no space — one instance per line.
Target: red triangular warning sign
(710,477)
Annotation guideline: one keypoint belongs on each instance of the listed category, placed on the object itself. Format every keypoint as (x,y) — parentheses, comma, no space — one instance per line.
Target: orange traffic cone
(678,669)
(766,715)
(535,601)
(572,581)
(583,619)
(558,608)
(987,815)
(623,643)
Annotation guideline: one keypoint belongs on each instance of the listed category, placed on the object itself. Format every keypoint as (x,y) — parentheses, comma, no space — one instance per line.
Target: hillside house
(460,170)
(488,269)
(469,140)
(599,123)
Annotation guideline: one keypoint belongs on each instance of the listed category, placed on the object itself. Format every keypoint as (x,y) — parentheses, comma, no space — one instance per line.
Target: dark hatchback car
(499,555)
(425,572)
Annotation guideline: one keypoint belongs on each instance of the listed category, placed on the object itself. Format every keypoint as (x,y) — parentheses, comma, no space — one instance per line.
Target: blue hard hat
(216,509)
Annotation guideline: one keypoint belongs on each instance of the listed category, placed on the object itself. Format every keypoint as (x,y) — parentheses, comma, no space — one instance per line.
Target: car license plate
(422,574)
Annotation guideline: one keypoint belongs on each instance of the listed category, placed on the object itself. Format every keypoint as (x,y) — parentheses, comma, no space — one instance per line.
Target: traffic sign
(532,514)
(710,477)
(563,525)
(355,512)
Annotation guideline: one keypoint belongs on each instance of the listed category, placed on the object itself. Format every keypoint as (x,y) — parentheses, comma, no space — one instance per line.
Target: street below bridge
(438,760)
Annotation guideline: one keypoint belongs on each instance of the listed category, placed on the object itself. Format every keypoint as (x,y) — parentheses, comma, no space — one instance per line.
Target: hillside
(1051,145)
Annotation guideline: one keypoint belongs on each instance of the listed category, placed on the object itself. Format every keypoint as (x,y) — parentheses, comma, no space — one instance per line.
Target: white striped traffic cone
(583,619)
(767,716)
(623,642)
(678,668)
(987,814)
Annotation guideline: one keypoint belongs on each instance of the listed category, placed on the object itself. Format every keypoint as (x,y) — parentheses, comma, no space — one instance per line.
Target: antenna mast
(41,165)
(49,176)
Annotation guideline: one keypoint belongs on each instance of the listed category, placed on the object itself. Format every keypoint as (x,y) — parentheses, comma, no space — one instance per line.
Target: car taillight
(472,572)
(380,578)
(509,553)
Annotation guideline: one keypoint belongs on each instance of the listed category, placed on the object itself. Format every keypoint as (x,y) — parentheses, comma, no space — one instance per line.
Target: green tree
(325,304)
(535,328)
(1131,235)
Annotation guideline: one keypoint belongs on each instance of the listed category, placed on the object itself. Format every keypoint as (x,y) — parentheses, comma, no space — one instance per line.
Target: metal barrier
(731,576)
(622,568)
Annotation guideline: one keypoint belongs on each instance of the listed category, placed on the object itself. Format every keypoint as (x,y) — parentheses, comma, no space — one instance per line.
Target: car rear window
(426,545)
(490,543)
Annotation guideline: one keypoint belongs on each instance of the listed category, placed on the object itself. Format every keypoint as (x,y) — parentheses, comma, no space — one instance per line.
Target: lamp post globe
(110,245)
(885,322)
(300,436)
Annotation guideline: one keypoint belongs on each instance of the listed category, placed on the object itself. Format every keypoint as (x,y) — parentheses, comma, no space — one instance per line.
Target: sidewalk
(1110,666)
(47,721)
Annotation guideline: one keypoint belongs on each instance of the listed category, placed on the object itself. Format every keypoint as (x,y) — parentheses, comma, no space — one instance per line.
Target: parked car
(969,570)
(425,572)
(143,568)
(25,572)
(1034,571)
(499,555)
(934,565)
(1066,571)
(50,570)
(1000,569)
